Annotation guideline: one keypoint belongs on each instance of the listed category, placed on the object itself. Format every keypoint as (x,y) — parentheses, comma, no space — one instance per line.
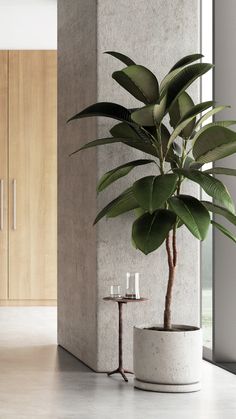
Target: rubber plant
(177,155)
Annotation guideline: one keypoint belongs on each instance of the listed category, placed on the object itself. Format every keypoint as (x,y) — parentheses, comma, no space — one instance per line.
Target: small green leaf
(217,209)
(131,142)
(176,69)
(183,80)
(184,126)
(123,58)
(213,187)
(123,203)
(150,230)
(213,143)
(149,115)
(140,82)
(178,109)
(106,109)
(188,161)
(123,130)
(151,192)
(196,109)
(193,214)
(224,231)
(225,123)
(209,114)
(221,171)
(188,59)
(119,172)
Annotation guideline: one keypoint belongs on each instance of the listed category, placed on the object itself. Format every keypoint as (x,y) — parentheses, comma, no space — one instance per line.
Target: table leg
(120,368)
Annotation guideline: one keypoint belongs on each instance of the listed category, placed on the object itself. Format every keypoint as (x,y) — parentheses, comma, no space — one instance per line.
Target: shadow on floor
(40,358)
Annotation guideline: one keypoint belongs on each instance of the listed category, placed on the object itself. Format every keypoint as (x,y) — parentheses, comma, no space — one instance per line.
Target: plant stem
(161,156)
(172,263)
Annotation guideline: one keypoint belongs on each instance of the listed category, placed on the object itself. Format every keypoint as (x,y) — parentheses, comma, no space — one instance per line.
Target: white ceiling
(28,24)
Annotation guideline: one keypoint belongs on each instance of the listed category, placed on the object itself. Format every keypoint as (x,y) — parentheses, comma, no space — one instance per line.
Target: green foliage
(213,143)
(140,82)
(119,172)
(224,230)
(123,203)
(123,58)
(182,105)
(192,213)
(152,192)
(150,230)
(213,187)
(157,201)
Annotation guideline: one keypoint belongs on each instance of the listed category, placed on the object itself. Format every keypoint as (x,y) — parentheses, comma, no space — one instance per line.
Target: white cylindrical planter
(168,361)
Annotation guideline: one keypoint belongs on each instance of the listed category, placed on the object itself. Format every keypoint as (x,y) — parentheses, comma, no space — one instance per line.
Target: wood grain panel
(4,174)
(32,163)
(28,303)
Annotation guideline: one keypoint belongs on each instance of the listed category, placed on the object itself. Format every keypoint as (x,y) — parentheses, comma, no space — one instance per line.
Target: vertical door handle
(2,205)
(14,203)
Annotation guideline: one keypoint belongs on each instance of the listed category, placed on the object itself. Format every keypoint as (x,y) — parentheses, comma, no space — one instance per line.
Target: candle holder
(132,285)
(115,291)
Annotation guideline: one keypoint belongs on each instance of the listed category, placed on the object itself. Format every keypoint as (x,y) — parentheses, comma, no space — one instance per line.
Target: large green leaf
(176,69)
(119,172)
(174,151)
(106,109)
(150,230)
(131,142)
(209,114)
(217,209)
(213,143)
(188,59)
(221,171)
(225,123)
(193,214)
(150,115)
(151,192)
(224,230)
(123,58)
(166,81)
(196,109)
(178,109)
(140,82)
(123,203)
(183,80)
(213,187)
(186,123)
(125,130)
(98,142)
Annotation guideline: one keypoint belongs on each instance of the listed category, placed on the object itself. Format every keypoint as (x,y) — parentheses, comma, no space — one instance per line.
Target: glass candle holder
(115,291)
(132,285)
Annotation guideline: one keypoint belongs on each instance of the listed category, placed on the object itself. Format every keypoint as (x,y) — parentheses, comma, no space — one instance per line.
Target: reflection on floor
(207,317)
(39,380)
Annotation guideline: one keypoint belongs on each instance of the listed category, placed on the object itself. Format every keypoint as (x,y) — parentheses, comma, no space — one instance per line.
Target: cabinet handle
(2,205)
(14,204)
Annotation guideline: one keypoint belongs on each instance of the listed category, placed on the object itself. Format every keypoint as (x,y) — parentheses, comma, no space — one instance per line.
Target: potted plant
(167,357)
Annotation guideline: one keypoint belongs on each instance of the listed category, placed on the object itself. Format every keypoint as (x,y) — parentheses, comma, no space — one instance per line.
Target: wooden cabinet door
(32,175)
(3,175)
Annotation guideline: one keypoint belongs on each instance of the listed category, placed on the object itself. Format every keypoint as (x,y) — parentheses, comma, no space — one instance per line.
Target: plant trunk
(172,263)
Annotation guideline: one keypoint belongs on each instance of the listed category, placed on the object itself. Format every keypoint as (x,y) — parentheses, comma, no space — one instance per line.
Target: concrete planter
(168,361)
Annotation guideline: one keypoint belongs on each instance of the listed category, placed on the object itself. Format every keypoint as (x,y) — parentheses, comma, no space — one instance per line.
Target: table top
(125,300)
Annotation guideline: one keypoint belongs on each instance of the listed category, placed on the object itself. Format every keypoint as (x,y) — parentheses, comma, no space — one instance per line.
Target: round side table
(121,301)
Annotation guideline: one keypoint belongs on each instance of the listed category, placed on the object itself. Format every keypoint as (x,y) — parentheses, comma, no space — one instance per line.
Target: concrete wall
(224,249)
(77,253)
(154,33)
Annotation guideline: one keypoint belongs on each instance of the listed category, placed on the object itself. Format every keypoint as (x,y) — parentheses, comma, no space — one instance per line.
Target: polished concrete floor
(39,380)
